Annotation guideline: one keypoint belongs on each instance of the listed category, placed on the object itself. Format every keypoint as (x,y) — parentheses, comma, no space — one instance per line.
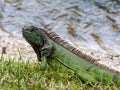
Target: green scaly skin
(48,50)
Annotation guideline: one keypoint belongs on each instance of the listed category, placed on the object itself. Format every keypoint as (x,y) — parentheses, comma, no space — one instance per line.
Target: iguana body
(49,46)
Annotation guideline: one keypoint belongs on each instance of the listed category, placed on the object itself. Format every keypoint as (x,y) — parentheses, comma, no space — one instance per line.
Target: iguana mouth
(25,31)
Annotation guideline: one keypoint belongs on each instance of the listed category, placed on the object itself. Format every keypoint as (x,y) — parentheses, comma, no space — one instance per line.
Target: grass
(29,76)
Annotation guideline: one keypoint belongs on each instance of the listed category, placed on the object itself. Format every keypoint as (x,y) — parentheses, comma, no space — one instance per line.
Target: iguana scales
(49,46)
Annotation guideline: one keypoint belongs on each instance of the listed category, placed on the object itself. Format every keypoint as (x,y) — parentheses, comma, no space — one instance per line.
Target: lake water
(91,23)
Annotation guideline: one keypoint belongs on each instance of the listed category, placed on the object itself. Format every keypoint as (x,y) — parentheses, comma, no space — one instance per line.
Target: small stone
(4,50)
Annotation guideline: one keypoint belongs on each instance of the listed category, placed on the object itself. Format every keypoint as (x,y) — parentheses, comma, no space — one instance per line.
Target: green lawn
(29,76)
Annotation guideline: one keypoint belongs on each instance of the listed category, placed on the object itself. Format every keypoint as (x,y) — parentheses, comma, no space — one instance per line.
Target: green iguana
(49,46)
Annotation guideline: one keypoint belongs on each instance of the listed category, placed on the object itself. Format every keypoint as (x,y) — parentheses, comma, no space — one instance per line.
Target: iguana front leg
(43,62)
(46,53)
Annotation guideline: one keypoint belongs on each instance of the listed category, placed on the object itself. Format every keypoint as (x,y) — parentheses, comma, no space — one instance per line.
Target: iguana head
(35,37)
